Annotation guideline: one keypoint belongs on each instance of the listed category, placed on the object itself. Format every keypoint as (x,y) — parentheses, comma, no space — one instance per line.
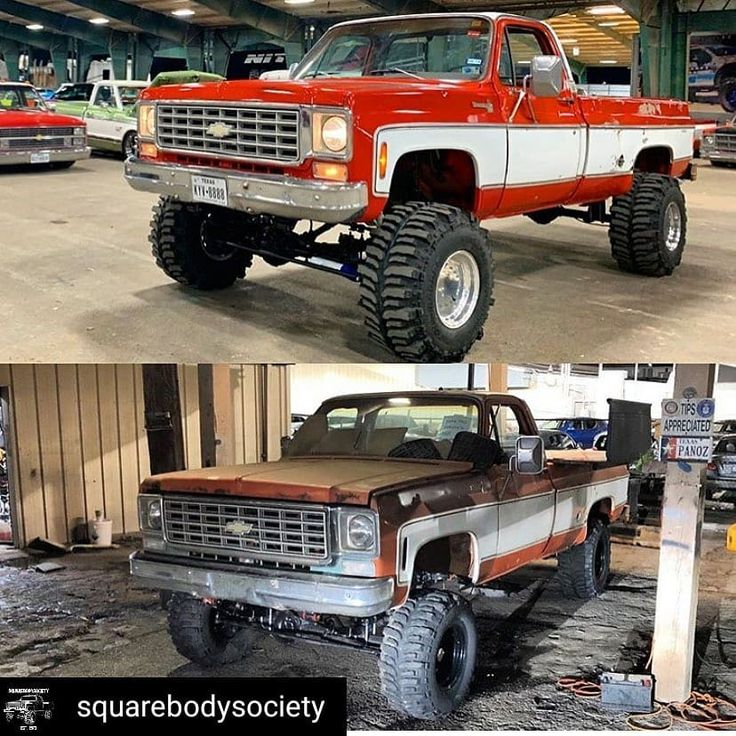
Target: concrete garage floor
(79,284)
(89,619)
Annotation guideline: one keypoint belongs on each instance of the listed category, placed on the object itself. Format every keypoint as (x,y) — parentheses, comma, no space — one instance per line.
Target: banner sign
(687,429)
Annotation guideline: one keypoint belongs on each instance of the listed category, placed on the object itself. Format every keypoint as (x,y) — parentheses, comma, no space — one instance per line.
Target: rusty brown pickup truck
(385,513)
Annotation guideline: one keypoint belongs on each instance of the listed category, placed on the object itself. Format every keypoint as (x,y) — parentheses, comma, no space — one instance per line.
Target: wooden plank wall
(79,438)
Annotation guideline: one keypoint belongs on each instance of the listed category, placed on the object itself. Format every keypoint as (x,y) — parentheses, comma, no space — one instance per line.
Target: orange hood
(315,480)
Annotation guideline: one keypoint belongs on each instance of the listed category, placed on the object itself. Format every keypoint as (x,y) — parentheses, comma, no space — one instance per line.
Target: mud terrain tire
(198,636)
(649,226)
(177,245)
(417,246)
(583,570)
(428,655)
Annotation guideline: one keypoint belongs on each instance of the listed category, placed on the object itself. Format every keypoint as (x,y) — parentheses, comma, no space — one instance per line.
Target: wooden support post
(163,418)
(679,558)
(207,438)
(222,397)
(498,378)
(498,383)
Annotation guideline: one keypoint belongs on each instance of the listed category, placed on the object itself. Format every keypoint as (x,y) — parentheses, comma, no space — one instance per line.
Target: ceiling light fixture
(299,2)
(606,10)
(99,21)
(608,24)
(568,40)
(575,51)
(183,13)
(608,61)
(35,27)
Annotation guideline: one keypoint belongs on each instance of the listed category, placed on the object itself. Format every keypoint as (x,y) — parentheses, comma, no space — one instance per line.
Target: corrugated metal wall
(78,439)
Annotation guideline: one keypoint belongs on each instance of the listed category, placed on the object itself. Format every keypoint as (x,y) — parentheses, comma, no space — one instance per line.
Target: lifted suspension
(355,633)
(275,241)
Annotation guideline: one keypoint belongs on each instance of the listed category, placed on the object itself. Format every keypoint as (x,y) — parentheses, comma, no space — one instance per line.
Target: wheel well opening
(601,510)
(655,160)
(727,71)
(451,555)
(446,176)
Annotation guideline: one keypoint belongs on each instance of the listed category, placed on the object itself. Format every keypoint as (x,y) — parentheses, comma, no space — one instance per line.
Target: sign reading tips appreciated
(687,429)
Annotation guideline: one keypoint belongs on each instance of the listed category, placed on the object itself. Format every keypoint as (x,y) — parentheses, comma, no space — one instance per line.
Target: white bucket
(100,532)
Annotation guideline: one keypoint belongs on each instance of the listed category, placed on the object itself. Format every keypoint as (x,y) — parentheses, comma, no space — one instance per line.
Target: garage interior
(96,286)
(80,438)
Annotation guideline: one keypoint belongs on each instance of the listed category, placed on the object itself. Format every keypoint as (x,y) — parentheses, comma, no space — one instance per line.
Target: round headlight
(154,514)
(709,139)
(361,532)
(335,133)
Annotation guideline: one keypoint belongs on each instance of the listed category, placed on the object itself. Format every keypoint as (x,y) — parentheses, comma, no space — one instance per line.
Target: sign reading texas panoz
(687,429)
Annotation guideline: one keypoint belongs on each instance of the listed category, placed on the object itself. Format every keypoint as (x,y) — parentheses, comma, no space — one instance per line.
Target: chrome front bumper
(716,155)
(59,155)
(281,196)
(284,590)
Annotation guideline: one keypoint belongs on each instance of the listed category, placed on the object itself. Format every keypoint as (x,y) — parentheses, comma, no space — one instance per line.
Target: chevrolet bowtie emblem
(241,528)
(219,130)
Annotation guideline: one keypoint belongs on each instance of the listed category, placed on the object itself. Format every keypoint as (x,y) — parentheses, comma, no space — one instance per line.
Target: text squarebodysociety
(212,707)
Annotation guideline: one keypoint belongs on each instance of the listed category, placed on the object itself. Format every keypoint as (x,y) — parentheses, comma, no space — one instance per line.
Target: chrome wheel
(672,226)
(457,289)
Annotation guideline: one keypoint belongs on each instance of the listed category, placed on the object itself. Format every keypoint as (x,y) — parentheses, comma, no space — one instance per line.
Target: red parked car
(31,133)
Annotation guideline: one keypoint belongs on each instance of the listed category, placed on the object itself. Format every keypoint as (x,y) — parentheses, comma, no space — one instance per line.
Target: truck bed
(634,111)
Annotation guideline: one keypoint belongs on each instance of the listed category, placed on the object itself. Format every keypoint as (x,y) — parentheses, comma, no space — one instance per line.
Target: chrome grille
(726,141)
(273,531)
(263,133)
(21,139)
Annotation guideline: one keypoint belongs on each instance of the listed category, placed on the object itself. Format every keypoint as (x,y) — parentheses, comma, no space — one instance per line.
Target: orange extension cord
(706,712)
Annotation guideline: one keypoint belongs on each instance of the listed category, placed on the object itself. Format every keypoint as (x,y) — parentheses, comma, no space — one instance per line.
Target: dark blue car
(584,430)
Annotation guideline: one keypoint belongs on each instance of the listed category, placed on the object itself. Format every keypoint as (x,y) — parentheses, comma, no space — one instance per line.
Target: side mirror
(51,106)
(546,76)
(530,458)
(285,442)
(292,69)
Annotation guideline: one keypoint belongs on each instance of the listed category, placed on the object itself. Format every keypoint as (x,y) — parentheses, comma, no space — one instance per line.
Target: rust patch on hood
(344,480)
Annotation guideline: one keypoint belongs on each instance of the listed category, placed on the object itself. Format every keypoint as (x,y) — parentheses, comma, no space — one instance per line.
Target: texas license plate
(40,157)
(210,190)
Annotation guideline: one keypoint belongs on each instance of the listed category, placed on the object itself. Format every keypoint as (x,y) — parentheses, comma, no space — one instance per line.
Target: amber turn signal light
(149,150)
(382,160)
(333,172)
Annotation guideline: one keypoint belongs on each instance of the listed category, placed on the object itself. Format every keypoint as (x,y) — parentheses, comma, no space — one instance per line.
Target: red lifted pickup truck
(409,130)
(30,133)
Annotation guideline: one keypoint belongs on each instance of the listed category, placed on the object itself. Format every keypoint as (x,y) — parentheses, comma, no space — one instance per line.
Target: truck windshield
(21,98)
(129,95)
(383,427)
(451,48)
